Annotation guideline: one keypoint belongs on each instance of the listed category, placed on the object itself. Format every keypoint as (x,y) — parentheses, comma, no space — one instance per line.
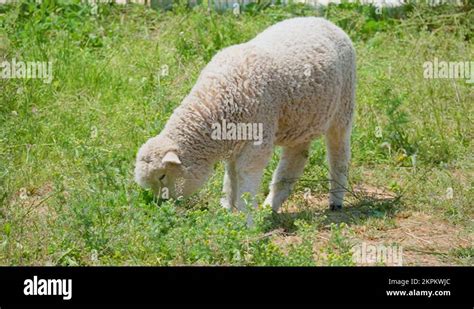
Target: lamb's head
(159,168)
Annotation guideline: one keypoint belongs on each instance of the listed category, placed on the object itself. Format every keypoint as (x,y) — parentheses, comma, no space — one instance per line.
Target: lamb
(294,82)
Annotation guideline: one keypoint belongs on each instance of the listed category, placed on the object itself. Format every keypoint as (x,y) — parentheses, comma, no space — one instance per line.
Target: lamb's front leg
(249,168)
(229,187)
(290,168)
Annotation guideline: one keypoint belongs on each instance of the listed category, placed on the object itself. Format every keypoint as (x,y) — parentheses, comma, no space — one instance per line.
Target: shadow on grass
(355,213)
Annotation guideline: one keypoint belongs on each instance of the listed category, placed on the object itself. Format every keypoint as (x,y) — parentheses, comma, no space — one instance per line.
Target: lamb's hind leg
(290,168)
(339,152)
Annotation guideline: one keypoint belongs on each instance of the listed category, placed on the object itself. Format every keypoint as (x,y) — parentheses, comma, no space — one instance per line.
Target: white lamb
(296,80)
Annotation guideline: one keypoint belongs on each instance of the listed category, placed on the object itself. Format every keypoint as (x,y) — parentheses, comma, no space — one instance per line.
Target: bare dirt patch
(378,219)
(34,201)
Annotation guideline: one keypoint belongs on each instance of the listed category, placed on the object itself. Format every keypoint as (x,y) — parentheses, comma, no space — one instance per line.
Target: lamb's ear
(171,157)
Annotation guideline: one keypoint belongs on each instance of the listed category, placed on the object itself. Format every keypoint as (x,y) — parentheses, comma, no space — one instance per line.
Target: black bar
(240,285)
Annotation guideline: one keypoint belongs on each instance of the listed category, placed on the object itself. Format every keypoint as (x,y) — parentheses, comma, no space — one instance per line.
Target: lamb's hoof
(225,204)
(335,207)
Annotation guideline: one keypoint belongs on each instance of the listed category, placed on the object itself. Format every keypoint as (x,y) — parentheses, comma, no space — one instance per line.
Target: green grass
(67,149)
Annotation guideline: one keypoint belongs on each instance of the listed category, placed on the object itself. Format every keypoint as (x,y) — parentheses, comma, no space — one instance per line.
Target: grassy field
(67,149)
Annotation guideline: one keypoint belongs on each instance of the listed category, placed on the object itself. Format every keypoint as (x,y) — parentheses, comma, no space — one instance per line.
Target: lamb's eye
(162,177)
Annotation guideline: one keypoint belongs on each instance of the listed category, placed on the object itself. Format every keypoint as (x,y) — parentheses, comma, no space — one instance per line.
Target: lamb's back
(296,38)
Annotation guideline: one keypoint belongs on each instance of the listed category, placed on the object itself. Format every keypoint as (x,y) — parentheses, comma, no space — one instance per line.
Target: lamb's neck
(190,128)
